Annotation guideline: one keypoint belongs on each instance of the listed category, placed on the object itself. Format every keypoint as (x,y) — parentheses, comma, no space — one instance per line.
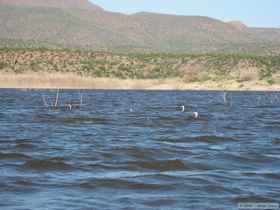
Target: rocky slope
(78,23)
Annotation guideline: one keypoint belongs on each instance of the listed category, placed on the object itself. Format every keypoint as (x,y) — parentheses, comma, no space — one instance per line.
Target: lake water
(138,150)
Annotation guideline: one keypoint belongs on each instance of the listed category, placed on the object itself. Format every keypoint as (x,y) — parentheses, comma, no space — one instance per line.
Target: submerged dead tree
(58,105)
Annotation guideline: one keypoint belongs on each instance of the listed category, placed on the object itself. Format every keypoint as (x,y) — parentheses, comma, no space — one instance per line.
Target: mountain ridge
(63,4)
(82,24)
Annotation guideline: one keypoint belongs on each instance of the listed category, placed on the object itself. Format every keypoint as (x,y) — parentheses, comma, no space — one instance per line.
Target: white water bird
(183,108)
(195,115)
(225,97)
(227,100)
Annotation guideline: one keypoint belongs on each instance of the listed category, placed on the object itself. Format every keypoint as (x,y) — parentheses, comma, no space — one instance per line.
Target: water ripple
(138,150)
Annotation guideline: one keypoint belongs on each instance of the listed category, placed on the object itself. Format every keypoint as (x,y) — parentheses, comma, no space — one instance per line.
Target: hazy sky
(264,13)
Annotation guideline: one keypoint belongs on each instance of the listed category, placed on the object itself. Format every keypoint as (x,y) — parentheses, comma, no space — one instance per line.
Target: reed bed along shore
(72,81)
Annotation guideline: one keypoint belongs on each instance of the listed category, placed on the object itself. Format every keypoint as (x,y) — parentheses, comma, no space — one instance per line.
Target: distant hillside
(63,4)
(238,25)
(80,24)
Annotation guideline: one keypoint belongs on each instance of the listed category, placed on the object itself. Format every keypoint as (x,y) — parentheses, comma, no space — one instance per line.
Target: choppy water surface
(137,150)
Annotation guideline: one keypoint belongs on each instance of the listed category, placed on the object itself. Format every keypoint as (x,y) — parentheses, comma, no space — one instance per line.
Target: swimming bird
(183,108)
(195,115)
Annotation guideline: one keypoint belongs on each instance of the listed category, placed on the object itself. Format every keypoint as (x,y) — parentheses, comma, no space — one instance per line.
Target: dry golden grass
(72,81)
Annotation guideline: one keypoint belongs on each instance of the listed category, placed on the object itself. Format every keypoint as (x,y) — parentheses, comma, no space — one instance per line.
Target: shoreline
(72,81)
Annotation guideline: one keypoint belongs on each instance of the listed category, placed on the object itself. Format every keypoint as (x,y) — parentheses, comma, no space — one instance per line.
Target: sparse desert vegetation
(186,68)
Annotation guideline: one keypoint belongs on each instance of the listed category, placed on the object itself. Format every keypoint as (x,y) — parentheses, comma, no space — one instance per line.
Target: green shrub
(2,65)
(270,81)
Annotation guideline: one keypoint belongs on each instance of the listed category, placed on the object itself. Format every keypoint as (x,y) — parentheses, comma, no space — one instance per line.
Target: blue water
(137,150)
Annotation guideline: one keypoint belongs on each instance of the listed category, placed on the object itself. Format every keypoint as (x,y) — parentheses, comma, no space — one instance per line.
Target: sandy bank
(72,81)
